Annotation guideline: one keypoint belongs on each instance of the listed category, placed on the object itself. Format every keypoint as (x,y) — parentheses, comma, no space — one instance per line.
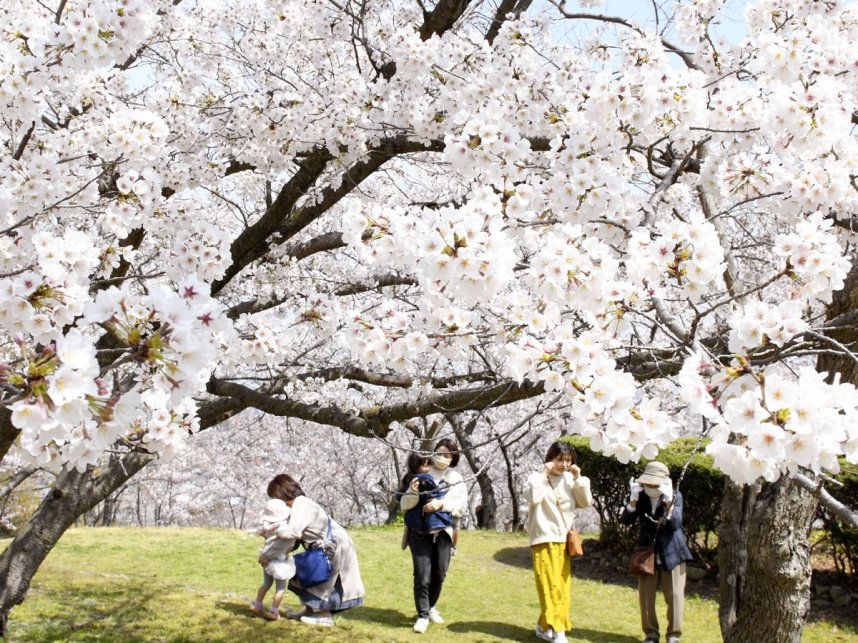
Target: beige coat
(309,523)
(545,522)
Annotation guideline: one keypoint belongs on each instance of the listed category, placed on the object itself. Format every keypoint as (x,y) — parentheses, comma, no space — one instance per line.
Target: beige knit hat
(655,473)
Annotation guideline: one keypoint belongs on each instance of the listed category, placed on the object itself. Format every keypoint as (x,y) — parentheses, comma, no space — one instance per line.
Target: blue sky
(729,24)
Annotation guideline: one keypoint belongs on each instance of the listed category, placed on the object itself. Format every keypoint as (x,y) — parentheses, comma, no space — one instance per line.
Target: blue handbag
(312,566)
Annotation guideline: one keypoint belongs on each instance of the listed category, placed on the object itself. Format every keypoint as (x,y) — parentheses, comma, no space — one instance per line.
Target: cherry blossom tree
(357,213)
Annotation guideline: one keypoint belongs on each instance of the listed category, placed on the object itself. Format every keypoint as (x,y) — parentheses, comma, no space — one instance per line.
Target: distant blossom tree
(360,213)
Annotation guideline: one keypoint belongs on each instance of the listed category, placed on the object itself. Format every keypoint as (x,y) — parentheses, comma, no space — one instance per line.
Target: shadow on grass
(391,617)
(493,628)
(515,556)
(242,608)
(602,637)
(518,633)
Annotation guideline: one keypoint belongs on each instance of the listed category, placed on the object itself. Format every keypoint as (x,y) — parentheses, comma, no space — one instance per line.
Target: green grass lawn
(125,584)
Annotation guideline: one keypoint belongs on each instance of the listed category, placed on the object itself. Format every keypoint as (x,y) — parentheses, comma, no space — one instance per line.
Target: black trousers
(430,555)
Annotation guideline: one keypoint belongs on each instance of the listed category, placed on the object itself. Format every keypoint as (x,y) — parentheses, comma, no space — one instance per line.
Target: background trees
(359,213)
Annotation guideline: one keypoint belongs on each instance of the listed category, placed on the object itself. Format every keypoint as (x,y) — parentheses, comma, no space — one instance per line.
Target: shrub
(702,487)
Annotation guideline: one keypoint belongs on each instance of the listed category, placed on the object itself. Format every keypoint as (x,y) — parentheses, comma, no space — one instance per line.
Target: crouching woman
(553,493)
(309,523)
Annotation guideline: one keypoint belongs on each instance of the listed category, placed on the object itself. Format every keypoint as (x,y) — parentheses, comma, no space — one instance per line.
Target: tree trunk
(764,555)
(8,432)
(72,494)
(510,483)
(392,499)
(763,544)
(488,501)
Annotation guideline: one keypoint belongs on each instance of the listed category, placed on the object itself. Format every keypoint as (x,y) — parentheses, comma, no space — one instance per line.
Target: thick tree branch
(375,421)
(382,281)
(252,243)
(506,8)
(442,17)
(847,515)
(395,381)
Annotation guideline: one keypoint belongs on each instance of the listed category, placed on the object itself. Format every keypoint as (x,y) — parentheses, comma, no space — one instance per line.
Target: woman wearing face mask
(658,508)
(430,550)
(553,493)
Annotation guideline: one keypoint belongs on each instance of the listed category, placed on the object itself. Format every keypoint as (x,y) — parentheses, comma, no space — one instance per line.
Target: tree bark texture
(516,523)
(488,500)
(764,556)
(72,494)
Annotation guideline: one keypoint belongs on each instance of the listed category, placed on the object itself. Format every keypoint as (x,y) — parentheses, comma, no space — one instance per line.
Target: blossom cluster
(767,423)
(71,409)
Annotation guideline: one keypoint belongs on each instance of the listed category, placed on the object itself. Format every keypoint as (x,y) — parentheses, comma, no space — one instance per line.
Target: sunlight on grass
(123,585)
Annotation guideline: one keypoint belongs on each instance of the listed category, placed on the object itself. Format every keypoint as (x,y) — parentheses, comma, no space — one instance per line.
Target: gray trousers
(672,585)
(430,554)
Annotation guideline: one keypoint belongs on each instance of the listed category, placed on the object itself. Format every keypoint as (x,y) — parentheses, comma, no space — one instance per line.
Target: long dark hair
(452,447)
(562,449)
(284,487)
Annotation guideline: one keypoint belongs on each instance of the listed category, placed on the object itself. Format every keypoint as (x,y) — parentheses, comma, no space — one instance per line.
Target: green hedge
(702,487)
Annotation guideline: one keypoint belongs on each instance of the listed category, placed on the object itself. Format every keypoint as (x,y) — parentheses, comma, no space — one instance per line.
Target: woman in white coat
(308,522)
(553,493)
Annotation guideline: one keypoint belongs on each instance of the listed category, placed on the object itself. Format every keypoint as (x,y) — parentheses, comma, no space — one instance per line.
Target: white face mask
(653,493)
(441,462)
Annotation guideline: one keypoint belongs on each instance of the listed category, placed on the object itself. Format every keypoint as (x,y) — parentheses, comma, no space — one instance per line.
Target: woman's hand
(432,505)
(415,485)
(575,470)
(261,562)
(635,489)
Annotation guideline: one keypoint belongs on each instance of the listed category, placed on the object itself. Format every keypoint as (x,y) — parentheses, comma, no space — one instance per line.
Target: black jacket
(671,546)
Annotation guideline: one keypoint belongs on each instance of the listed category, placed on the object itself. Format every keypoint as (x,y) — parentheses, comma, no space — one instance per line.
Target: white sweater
(545,523)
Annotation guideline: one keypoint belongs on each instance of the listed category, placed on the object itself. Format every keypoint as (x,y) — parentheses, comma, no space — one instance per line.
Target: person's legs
(441,550)
(421,558)
(673,586)
(563,602)
(647,586)
(559,590)
(552,571)
(278,595)
(542,575)
(267,581)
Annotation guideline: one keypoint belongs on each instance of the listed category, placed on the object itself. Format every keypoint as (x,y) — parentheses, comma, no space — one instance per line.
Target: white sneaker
(560,637)
(435,616)
(318,619)
(421,625)
(545,635)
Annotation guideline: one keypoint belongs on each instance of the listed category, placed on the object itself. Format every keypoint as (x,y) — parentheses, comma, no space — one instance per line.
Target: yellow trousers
(553,573)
